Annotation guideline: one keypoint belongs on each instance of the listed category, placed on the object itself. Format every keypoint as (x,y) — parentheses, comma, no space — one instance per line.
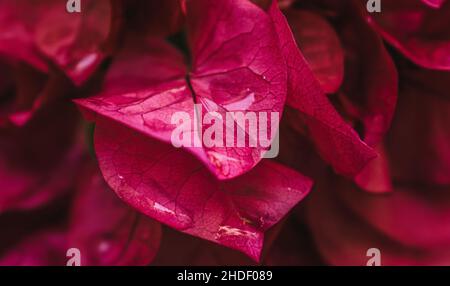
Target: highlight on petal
(337,142)
(171,186)
(434,3)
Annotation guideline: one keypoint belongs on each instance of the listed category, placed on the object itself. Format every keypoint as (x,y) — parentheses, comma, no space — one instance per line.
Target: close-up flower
(224,132)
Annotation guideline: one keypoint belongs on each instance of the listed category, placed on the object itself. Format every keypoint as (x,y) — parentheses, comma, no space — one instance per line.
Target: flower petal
(337,142)
(230,73)
(434,3)
(16,34)
(371,80)
(171,186)
(419,143)
(419,32)
(73,41)
(320,45)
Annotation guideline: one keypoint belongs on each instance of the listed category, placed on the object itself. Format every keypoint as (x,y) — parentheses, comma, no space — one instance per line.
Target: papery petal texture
(169,185)
(236,66)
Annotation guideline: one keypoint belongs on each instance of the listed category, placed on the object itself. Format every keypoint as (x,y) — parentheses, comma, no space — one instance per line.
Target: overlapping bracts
(361,99)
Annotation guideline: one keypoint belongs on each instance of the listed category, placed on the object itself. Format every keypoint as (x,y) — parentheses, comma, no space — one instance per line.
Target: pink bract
(236,66)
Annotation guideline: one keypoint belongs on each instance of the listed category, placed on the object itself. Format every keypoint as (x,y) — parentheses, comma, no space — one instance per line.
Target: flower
(235,64)
(360,105)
